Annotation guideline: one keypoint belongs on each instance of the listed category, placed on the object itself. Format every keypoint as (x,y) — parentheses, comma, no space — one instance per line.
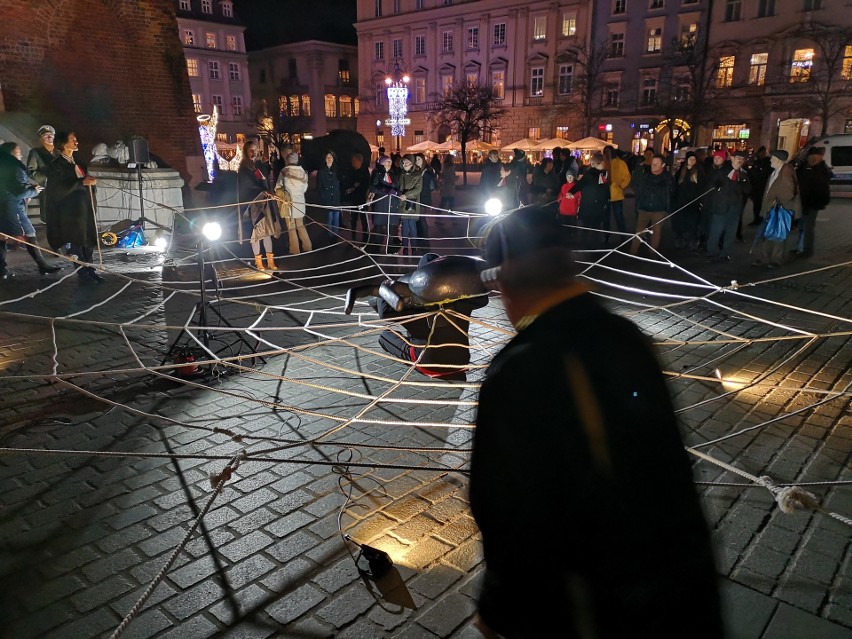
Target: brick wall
(107,69)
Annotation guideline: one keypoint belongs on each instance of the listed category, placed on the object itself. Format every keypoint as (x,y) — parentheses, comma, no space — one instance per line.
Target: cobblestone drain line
(660,326)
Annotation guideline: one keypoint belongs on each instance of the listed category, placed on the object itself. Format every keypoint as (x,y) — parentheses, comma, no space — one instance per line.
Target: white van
(838,156)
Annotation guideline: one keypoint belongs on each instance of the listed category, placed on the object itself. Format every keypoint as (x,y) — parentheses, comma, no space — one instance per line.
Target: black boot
(43,267)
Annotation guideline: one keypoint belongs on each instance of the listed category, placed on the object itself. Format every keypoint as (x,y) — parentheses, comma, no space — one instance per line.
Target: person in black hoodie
(653,187)
(595,187)
(814,189)
(758,174)
(384,189)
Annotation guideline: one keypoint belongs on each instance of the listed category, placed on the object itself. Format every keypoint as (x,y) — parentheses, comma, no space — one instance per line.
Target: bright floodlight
(212,231)
(493,206)
(161,242)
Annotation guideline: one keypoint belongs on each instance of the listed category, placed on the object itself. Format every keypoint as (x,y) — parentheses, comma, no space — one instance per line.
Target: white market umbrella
(426,145)
(591,144)
(479,145)
(449,145)
(527,144)
(551,143)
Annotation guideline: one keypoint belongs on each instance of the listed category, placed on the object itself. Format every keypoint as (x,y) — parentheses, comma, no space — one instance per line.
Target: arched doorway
(673,129)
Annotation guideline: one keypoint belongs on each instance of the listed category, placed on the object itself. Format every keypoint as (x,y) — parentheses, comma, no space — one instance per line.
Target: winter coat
(383,184)
(328,185)
(430,183)
(814,186)
(38,160)
(653,191)
(782,190)
(257,219)
(619,179)
(70,214)
(448,180)
(569,205)
(730,194)
(15,187)
(358,180)
(410,185)
(545,186)
(594,185)
(294,180)
(490,176)
(688,186)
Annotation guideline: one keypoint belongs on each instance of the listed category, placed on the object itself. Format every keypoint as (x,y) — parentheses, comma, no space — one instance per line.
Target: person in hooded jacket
(384,192)
(814,178)
(689,185)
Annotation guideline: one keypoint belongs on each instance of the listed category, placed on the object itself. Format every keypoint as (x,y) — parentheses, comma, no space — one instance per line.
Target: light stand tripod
(201,310)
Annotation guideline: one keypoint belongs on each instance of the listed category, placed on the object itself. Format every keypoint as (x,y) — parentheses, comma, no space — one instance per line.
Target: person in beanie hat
(814,179)
(575,427)
(725,204)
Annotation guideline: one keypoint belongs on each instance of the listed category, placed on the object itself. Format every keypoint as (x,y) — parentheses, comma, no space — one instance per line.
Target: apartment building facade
(217,65)
(527,53)
(305,89)
(785,67)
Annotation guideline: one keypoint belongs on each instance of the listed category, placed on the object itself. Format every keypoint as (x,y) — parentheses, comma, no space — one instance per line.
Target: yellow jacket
(619,178)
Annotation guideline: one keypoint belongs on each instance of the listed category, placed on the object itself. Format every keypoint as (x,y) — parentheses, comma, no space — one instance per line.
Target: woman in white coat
(291,185)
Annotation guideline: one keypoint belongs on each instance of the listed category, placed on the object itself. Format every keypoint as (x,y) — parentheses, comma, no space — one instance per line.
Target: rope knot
(793,497)
(221,478)
(734,285)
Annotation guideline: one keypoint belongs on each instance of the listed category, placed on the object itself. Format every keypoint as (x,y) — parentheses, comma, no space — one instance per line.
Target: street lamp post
(397,88)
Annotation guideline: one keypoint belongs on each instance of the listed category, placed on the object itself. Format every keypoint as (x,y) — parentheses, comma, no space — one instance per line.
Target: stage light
(493,206)
(212,231)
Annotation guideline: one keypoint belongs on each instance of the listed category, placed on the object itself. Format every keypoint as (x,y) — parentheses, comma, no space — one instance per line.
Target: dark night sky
(272,22)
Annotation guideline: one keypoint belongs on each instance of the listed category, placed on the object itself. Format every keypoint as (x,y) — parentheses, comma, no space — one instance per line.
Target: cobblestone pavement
(83,535)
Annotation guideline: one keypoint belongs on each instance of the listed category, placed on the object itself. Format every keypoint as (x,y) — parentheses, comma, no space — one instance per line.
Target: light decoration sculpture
(397,89)
(207,132)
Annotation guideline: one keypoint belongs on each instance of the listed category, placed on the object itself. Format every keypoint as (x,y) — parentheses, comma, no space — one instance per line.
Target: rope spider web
(734,354)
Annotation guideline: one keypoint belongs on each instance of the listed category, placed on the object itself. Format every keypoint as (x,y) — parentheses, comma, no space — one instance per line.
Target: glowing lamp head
(405,79)
(212,231)
(493,206)
(388,81)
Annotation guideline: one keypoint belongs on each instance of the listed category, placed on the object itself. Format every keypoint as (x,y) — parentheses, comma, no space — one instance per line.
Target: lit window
(616,45)
(611,95)
(655,40)
(196,102)
(765,8)
(237,105)
(188,37)
(757,70)
(217,101)
(344,77)
(446,84)
(184,5)
(649,91)
(562,132)
(537,81)
(472,79)
(447,42)
(213,68)
(800,68)
(534,133)
(569,24)
(396,46)
(733,9)
(206,6)
(210,40)
(498,84)
(222,137)
(688,34)
(566,78)
(306,105)
(540,28)
(619,6)
(192,67)
(499,34)
(419,90)
(231,43)
(725,74)
(420,45)
(234,70)
(228,9)
(345,106)
(330,106)
(473,38)
(379,49)
(282,105)
(294,106)
(846,68)
(357,104)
